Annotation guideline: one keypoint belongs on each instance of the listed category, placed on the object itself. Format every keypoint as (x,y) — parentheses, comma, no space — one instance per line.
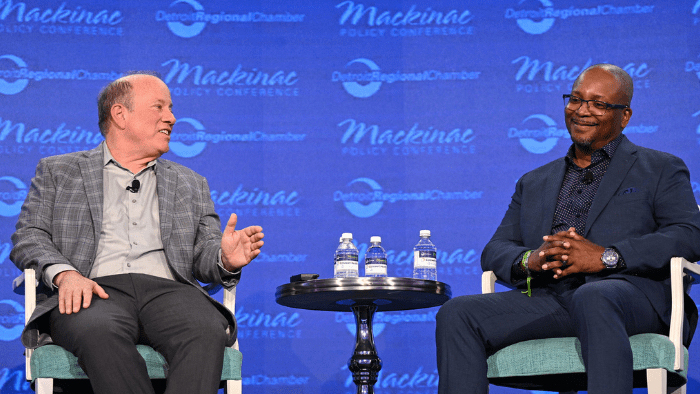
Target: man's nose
(169,118)
(584,108)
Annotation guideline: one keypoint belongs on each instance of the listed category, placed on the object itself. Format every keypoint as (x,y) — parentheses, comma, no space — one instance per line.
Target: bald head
(119,91)
(626,86)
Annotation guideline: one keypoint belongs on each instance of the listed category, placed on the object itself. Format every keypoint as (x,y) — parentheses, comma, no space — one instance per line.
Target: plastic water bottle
(375,258)
(425,258)
(346,258)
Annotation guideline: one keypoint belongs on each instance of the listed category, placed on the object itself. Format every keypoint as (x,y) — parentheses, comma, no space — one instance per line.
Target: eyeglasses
(596,107)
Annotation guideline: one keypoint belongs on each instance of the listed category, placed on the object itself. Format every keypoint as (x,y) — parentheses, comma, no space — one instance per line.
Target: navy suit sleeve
(507,243)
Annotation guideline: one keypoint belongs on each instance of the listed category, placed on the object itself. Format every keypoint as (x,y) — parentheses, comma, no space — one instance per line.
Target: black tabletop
(388,294)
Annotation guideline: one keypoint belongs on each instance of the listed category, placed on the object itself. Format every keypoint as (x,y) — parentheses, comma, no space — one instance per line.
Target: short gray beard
(585,146)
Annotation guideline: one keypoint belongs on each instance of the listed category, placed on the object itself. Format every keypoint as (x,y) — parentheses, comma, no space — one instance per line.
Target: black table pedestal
(364,364)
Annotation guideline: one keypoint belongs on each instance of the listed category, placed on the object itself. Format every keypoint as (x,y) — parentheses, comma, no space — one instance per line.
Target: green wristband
(529,288)
(523,262)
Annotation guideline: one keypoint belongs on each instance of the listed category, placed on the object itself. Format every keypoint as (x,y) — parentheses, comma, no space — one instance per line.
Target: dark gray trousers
(175,319)
(602,314)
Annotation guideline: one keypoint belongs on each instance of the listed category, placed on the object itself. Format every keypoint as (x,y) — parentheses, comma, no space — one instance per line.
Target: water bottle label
(345,266)
(375,269)
(346,258)
(424,259)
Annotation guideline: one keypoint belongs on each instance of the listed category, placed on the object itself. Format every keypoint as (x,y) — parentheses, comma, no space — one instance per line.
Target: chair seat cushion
(559,360)
(52,361)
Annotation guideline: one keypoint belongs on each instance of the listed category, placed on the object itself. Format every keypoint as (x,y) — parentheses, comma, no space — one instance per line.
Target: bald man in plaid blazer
(60,228)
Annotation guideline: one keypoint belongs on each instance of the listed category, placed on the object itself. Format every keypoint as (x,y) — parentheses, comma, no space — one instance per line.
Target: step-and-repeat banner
(314,118)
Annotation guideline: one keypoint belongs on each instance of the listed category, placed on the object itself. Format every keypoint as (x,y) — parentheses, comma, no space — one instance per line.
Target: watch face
(609,258)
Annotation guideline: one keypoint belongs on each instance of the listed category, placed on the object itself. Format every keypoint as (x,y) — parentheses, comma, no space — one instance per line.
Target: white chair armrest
(679,268)
(488,282)
(29,293)
(232,386)
(230,304)
(29,306)
(230,299)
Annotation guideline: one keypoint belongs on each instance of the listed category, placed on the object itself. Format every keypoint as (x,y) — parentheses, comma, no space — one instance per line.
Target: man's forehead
(151,87)
(602,80)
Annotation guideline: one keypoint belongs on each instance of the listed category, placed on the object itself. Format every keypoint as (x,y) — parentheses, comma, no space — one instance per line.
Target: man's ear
(626,115)
(119,114)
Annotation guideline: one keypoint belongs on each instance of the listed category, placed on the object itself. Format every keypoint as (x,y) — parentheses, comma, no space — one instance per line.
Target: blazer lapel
(549,188)
(166,185)
(91,170)
(619,166)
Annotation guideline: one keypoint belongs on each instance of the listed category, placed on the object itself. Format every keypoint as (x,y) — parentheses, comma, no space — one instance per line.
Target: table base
(365,363)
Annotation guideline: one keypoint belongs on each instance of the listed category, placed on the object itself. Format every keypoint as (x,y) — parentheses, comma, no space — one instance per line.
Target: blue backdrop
(313,118)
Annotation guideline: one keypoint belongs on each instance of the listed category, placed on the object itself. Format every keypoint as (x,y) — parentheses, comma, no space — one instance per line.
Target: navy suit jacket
(644,207)
(61,220)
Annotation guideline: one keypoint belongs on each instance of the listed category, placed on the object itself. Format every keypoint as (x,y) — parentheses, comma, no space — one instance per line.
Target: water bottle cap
(376,239)
(425,233)
(346,235)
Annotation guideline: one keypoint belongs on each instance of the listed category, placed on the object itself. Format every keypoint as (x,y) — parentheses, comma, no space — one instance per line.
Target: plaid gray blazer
(61,219)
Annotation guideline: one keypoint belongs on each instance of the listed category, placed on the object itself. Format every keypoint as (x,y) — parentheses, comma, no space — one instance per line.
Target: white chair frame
(45,385)
(657,379)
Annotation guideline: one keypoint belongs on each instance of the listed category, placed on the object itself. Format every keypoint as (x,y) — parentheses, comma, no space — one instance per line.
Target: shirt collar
(606,152)
(107,158)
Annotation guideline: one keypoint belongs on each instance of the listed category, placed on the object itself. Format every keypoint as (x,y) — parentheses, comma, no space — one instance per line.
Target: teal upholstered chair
(50,362)
(555,364)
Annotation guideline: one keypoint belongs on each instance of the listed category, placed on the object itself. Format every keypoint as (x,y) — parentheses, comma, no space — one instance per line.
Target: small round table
(364,297)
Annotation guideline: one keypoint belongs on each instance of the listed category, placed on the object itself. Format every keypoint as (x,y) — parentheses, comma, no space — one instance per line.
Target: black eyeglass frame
(607,105)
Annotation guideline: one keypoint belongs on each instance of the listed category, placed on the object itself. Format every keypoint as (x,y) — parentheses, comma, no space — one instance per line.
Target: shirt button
(128,264)
(134,223)
(136,243)
(134,201)
(578,215)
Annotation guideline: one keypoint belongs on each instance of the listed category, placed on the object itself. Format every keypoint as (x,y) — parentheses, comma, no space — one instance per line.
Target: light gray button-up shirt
(130,239)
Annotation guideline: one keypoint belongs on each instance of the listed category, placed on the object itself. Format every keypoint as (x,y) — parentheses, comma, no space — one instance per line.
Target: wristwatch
(610,258)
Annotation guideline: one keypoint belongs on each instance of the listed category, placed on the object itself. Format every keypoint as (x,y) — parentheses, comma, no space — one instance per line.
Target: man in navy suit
(594,232)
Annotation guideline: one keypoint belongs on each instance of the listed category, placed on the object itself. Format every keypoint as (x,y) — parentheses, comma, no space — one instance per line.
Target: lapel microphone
(135,186)
(587,178)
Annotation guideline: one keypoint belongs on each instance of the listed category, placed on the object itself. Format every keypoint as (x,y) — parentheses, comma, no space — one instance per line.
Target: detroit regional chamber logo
(12,194)
(538,17)
(188,18)
(362,77)
(192,141)
(16,74)
(365,197)
(538,133)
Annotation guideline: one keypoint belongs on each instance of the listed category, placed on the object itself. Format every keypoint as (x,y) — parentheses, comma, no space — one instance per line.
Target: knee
(445,314)
(216,334)
(595,299)
(454,314)
(593,292)
(206,333)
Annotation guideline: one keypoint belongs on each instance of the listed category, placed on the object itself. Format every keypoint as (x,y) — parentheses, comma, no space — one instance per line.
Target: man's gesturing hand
(75,290)
(240,247)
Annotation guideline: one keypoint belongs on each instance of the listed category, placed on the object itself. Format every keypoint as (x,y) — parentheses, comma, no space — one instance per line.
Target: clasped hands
(566,253)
